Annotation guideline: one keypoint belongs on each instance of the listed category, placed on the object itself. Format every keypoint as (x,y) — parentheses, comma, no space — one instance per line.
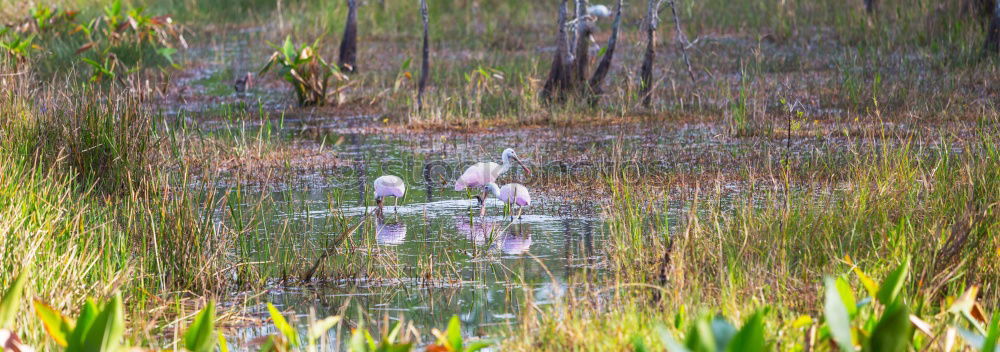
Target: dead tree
(425,56)
(558,78)
(349,44)
(594,86)
(569,72)
(646,71)
(584,28)
(992,44)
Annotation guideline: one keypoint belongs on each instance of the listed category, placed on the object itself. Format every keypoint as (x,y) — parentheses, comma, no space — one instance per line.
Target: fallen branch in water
(330,248)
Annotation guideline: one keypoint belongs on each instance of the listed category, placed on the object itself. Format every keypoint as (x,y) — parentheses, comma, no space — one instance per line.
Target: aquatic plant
(307,72)
(15,44)
(101,327)
(451,339)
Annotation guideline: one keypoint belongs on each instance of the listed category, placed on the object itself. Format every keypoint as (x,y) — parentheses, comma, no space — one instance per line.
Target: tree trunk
(556,81)
(580,57)
(349,44)
(870,6)
(425,55)
(992,44)
(604,66)
(646,71)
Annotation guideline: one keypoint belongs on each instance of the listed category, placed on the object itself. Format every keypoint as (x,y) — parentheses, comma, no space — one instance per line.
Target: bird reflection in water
(479,230)
(509,238)
(517,239)
(390,233)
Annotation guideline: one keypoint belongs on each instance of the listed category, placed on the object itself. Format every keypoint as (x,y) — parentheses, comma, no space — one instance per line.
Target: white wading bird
(480,174)
(388,186)
(511,194)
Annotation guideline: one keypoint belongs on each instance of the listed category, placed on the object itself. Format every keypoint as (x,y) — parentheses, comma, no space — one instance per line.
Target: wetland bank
(783,175)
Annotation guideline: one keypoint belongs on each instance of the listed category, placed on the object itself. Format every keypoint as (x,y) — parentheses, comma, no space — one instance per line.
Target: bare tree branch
(681,38)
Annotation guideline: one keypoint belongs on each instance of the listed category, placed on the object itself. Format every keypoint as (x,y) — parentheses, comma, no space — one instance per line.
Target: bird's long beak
(526,169)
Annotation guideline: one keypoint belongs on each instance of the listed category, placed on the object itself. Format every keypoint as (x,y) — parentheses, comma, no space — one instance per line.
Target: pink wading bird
(511,194)
(388,186)
(478,175)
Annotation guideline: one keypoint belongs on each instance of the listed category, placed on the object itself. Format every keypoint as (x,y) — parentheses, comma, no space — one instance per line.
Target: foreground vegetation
(888,242)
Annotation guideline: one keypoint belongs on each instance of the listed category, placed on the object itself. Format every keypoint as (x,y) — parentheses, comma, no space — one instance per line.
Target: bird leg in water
(482,204)
(395,205)
(519,211)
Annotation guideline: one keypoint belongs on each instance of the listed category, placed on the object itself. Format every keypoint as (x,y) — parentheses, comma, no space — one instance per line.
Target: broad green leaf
(668,340)
(802,321)
(223,345)
(700,337)
(402,347)
(105,333)
(11,299)
(750,338)
(454,334)
(288,49)
(477,345)
(893,332)
(893,284)
(58,326)
(282,325)
(199,337)
(847,295)
(357,343)
(394,332)
(973,339)
(722,331)
(837,317)
(370,341)
(167,53)
(86,319)
(638,345)
(993,336)
(271,344)
(866,281)
(321,327)
(93,63)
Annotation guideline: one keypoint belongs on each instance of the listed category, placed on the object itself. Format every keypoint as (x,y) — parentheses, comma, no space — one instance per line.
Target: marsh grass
(88,211)
(773,246)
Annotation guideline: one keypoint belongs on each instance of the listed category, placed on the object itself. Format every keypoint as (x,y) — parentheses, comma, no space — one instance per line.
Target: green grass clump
(86,205)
